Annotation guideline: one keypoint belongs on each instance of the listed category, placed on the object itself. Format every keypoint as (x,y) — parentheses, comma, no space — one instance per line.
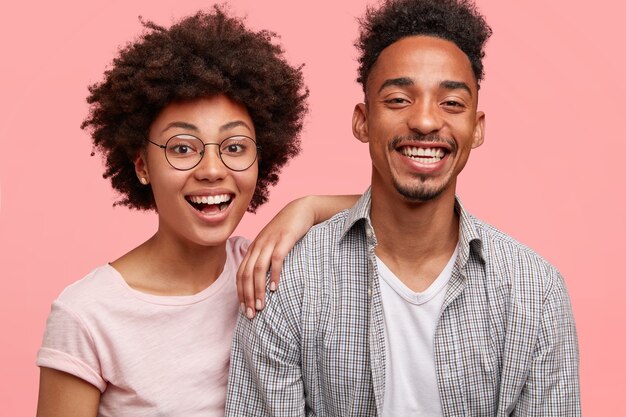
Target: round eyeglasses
(184,152)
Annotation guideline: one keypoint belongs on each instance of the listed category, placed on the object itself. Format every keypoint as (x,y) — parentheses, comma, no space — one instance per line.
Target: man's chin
(420,193)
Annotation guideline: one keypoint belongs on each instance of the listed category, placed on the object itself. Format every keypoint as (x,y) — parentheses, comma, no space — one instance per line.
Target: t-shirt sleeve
(239,247)
(68,346)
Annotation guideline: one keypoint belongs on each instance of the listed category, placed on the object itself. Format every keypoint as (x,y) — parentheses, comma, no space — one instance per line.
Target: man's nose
(425,117)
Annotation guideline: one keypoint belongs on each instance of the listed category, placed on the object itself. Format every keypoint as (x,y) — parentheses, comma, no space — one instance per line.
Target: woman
(194,122)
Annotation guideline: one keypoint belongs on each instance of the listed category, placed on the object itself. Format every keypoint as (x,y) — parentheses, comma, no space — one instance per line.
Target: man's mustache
(418,137)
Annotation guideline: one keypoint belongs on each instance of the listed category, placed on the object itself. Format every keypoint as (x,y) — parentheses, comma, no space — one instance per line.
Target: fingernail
(249,313)
(272,286)
(242,308)
(258,305)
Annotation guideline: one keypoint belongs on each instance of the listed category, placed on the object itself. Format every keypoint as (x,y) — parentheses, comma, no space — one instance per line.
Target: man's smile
(423,155)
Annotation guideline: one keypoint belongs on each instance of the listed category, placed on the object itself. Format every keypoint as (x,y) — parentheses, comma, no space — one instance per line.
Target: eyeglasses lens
(184,152)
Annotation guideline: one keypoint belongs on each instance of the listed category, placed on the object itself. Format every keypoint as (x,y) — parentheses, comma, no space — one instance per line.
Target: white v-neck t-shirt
(410,322)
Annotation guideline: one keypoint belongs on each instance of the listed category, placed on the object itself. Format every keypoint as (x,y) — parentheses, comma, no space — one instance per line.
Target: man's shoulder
(326,234)
(325,246)
(500,248)
(335,224)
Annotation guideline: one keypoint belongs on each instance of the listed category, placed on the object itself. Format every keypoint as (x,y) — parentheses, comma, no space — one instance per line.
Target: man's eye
(396,100)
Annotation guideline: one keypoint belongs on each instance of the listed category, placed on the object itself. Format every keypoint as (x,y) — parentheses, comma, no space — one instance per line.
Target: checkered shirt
(505,343)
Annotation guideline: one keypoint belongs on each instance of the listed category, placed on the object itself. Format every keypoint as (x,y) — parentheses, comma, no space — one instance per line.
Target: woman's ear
(141,168)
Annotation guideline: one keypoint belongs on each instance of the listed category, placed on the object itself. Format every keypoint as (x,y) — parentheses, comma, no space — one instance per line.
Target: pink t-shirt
(148,355)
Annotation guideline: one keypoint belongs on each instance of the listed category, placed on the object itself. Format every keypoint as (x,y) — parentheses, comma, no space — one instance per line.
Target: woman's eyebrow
(182,125)
(233,124)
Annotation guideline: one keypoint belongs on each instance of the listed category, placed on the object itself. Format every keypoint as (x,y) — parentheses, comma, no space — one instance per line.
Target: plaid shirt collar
(469,238)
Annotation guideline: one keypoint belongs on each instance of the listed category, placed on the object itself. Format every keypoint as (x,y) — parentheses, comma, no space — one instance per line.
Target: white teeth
(426,160)
(211,199)
(429,155)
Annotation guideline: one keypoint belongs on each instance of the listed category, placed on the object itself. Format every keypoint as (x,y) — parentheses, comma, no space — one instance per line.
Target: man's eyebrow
(233,124)
(402,81)
(455,85)
(182,125)
(405,81)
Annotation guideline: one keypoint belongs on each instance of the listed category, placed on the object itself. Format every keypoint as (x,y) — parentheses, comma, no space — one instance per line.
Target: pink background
(550,172)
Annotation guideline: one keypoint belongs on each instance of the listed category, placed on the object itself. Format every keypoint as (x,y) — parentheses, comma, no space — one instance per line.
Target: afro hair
(203,55)
(457,21)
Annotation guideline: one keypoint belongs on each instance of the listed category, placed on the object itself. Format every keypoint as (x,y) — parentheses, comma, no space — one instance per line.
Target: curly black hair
(202,55)
(457,21)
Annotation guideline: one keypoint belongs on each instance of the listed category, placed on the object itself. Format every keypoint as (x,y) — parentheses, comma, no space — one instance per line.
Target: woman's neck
(165,265)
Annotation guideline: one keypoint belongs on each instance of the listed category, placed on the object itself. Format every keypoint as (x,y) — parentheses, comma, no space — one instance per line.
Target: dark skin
(188,251)
(422,89)
(64,395)
(420,85)
(227,59)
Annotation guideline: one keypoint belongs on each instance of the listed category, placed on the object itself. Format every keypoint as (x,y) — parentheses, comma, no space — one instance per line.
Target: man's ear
(141,168)
(359,123)
(479,130)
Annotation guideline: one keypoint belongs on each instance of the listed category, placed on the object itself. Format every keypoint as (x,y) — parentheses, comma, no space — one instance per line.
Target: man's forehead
(421,58)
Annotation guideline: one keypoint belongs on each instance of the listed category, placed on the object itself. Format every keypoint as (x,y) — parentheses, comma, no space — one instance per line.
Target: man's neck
(415,239)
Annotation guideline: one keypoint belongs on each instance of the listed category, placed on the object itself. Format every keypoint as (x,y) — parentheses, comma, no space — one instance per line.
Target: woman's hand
(271,246)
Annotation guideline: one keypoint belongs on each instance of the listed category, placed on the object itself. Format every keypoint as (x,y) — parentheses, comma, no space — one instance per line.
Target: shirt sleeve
(67,346)
(265,375)
(552,387)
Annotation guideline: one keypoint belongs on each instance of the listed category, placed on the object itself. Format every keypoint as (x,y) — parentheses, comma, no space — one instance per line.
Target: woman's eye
(234,148)
(182,149)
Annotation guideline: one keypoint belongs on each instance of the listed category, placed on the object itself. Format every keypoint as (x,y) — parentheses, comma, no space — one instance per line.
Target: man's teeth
(425,155)
(211,199)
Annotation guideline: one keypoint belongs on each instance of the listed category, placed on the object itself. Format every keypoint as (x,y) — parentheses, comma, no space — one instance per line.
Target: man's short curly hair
(203,55)
(457,21)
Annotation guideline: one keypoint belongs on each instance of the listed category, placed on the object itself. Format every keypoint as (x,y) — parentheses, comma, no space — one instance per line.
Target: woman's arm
(270,247)
(64,395)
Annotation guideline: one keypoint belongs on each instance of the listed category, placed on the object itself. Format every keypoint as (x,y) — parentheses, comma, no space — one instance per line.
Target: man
(406,305)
